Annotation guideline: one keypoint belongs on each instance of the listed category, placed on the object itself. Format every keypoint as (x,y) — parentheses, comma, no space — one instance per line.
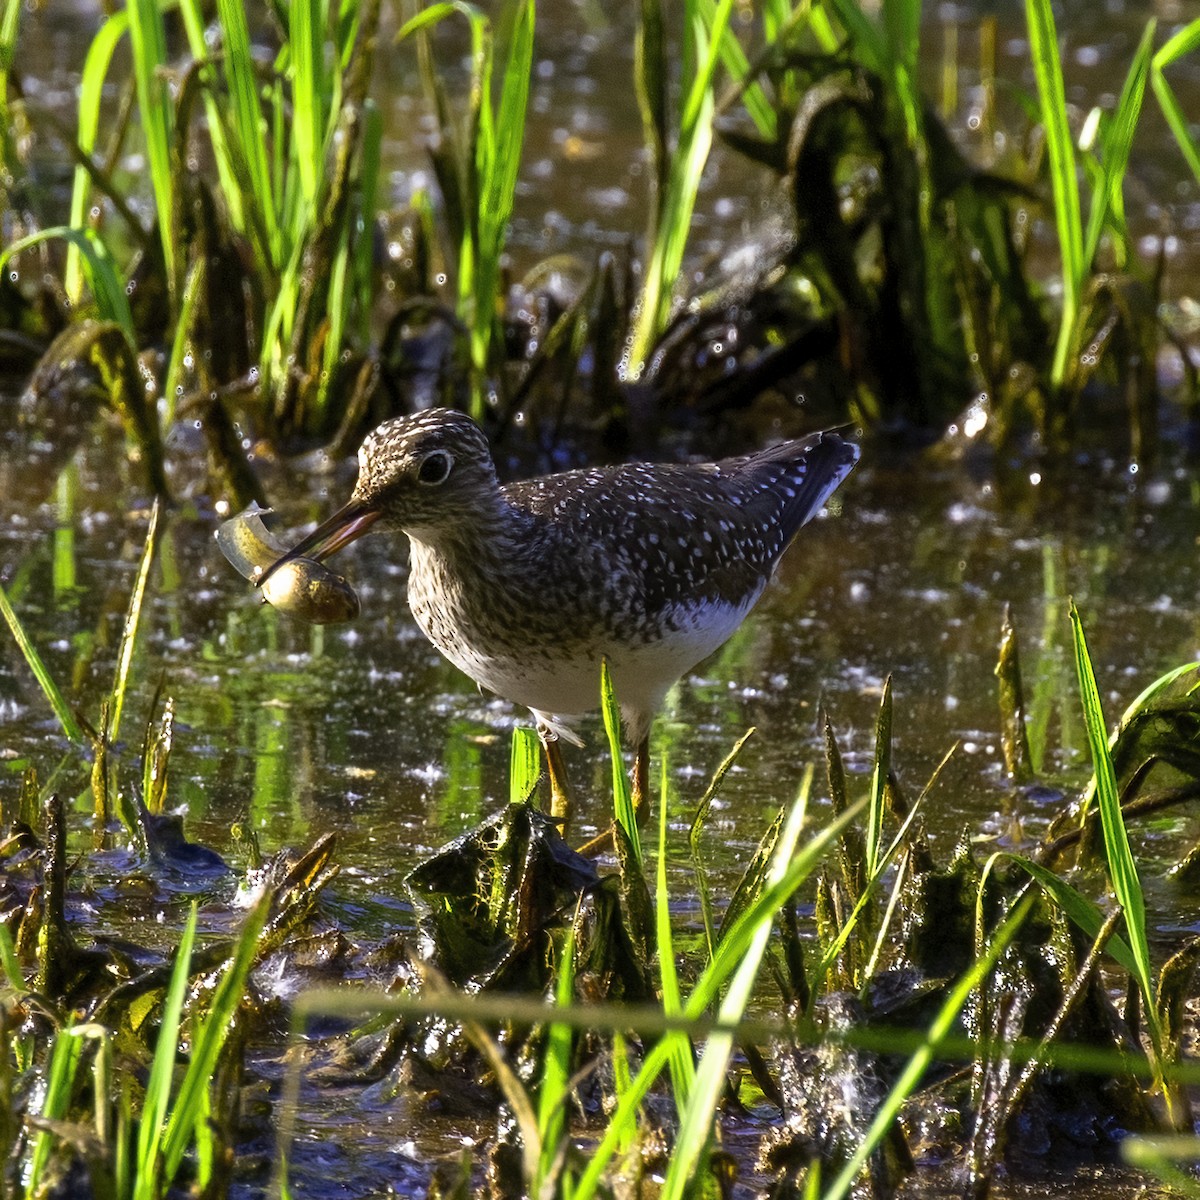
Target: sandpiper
(528,586)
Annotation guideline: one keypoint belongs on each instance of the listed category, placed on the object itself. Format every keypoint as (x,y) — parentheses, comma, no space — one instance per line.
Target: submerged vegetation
(926,1017)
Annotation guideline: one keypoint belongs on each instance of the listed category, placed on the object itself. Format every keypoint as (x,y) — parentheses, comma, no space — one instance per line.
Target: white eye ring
(435,468)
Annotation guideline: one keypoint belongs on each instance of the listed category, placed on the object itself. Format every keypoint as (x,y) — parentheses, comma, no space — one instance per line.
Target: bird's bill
(346,525)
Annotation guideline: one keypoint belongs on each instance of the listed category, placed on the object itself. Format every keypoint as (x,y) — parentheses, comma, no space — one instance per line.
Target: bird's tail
(815,468)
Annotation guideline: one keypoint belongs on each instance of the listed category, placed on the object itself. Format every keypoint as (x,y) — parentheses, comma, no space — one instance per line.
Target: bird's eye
(435,468)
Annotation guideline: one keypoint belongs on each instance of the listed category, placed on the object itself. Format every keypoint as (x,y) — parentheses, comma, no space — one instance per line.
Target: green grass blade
(869,889)
(56,1103)
(351,285)
(9,962)
(1171,1158)
(683,1073)
(148,1173)
(698,858)
(879,778)
(1179,45)
(706,43)
(902,24)
(651,76)
(50,689)
(338,297)
(696,1124)
(1155,689)
(554,1094)
(195,20)
(868,39)
(430,16)
(623,810)
(737,65)
(248,126)
(1184,43)
(91,88)
(129,633)
(10,16)
(172,388)
(664,257)
(1078,908)
(64,575)
(501,162)
(1148,694)
(370,162)
(524,764)
(736,940)
(148,41)
(277,331)
(189,1107)
(306,20)
(107,286)
(1122,868)
(1118,140)
(1064,183)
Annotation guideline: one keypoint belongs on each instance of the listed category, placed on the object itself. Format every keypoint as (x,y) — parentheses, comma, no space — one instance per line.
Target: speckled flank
(525,587)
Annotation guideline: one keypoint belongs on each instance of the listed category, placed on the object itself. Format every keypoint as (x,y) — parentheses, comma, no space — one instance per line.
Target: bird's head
(429,474)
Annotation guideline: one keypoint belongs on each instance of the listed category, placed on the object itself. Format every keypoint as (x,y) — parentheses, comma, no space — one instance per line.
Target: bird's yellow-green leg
(560,794)
(641,781)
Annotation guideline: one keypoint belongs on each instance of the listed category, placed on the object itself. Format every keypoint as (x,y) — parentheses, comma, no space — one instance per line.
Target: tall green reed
(679,151)
(1122,868)
(478,160)
(50,689)
(148,42)
(1077,242)
(623,809)
(1182,44)
(303,207)
(10,16)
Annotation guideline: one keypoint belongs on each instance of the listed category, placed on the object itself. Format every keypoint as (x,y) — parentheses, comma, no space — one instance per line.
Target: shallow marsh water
(364,730)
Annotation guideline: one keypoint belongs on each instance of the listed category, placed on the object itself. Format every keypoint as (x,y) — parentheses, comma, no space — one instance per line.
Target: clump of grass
(678,153)
(297,170)
(920,265)
(1090,308)
(908,287)
(477,159)
(136,1159)
(724,987)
